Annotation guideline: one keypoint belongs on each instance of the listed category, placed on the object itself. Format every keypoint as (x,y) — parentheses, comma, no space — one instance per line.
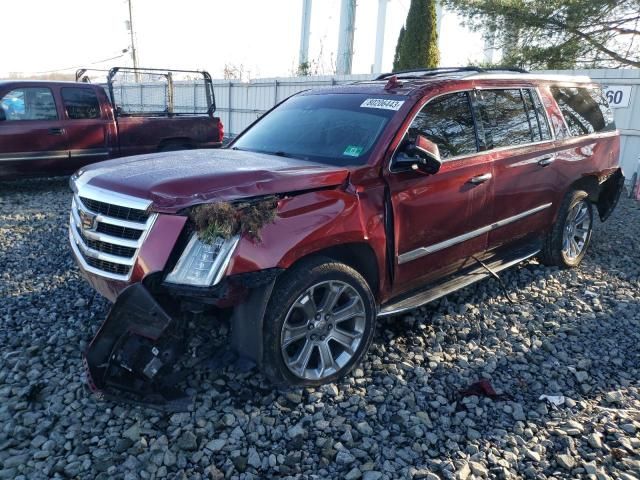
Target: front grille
(110,248)
(106,236)
(105,266)
(120,232)
(115,211)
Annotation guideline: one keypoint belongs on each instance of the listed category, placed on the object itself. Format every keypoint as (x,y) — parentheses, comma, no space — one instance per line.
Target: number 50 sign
(618,96)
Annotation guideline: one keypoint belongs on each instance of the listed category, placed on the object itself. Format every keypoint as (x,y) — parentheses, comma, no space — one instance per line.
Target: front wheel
(318,325)
(567,242)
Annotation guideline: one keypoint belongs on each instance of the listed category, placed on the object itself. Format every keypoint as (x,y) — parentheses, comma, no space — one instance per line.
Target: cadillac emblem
(87,219)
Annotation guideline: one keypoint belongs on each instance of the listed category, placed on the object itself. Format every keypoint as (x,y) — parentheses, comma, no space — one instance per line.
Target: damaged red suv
(339,206)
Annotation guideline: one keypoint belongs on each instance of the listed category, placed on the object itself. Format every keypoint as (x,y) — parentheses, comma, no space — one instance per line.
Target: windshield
(338,129)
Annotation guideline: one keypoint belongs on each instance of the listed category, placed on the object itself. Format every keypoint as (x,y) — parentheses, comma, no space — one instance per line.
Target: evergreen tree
(558,34)
(419,45)
(396,56)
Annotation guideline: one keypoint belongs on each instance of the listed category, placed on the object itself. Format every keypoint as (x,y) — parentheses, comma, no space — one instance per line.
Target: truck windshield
(337,129)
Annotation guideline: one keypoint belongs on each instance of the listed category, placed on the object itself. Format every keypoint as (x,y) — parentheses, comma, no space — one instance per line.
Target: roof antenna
(392,83)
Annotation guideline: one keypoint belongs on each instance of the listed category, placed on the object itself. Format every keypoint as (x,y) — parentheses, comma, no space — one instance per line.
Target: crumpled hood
(175,180)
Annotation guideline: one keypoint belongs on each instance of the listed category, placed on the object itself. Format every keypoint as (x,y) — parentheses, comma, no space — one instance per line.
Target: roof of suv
(413,81)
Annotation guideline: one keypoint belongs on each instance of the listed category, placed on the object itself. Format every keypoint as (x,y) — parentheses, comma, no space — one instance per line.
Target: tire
(561,248)
(298,337)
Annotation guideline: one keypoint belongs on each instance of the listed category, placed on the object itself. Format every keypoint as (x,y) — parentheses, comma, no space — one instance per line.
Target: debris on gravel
(573,334)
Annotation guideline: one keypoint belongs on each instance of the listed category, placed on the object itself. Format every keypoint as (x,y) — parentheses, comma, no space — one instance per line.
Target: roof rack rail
(428,72)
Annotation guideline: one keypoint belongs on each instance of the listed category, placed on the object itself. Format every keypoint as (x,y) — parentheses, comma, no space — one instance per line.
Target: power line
(80,66)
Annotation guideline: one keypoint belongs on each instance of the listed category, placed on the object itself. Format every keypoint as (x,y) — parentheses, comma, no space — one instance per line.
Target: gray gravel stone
(398,415)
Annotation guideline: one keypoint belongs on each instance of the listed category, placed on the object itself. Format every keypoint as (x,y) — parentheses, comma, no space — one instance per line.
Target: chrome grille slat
(108,245)
(115,211)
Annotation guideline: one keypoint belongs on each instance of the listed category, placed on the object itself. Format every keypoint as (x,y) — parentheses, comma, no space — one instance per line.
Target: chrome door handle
(481,178)
(546,161)
(56,131)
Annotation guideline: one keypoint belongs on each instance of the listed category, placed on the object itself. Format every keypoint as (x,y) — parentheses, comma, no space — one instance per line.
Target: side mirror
(422,155)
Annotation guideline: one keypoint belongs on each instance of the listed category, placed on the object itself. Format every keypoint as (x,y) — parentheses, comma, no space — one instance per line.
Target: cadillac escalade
(339,206)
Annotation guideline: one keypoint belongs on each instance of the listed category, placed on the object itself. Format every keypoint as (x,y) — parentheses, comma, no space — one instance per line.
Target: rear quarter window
(585,110)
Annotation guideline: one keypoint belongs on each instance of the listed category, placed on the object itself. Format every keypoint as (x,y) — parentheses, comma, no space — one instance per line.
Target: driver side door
(440,220)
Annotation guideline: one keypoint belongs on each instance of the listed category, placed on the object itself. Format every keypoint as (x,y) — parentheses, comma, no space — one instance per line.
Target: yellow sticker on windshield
(352,151)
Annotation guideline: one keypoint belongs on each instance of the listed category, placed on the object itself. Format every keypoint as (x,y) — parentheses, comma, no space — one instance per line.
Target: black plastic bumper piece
(131,357)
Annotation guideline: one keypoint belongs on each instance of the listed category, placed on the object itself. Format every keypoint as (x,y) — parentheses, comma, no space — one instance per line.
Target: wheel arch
(357,255)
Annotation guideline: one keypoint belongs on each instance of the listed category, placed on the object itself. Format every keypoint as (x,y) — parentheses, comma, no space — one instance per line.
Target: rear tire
(318,325)
(567,242)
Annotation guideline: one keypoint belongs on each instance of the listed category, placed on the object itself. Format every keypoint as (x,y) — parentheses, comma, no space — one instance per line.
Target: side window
(584,109)
(448,122)
(29,103)
(80,103)
(504,118)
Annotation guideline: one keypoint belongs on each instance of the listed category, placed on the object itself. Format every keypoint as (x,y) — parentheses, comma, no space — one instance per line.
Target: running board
(461,280)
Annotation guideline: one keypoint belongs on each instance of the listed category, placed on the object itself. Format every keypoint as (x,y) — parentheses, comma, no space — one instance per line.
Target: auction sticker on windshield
(382,103)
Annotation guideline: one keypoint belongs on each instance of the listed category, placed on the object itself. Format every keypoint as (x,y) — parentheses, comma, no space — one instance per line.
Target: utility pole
(345,40)
(382,17)
(134,55)
(304,32)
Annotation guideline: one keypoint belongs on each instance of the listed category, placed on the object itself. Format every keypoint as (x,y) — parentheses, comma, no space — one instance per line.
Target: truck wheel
(319,323)
(567,242)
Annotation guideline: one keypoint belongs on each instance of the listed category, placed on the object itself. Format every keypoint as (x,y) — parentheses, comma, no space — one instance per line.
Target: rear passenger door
(86,124)
(519,141)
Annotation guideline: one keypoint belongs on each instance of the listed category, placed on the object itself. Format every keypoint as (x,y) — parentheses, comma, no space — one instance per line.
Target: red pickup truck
(339,206)
(54,128)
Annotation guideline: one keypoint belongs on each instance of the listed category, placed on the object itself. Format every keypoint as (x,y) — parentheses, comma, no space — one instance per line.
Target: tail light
(220,131)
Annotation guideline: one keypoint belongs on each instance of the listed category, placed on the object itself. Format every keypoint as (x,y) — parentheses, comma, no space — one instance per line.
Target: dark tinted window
(339,129)
(448,122)
(30,103)
(80,103)
(504,118)
(584,109)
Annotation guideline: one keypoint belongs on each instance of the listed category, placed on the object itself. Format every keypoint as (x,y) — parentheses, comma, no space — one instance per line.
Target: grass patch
(224,219)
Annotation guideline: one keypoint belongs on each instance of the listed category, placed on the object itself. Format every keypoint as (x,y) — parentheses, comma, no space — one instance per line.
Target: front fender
(311,222)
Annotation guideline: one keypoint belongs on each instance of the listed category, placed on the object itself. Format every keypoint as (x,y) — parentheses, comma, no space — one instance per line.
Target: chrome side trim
(89,152)
(423,251)
(48,155)
(458,286)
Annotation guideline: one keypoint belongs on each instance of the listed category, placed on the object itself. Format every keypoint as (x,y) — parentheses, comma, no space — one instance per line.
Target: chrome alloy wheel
(323,330)
(576,230)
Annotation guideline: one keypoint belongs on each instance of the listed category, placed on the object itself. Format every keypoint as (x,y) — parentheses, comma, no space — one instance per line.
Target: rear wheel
(567,243)
(319,323)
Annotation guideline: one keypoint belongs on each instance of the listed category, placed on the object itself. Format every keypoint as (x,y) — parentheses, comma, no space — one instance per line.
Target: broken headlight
(203,264)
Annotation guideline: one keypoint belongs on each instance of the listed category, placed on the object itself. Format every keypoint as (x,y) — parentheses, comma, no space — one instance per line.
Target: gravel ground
(572,333)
